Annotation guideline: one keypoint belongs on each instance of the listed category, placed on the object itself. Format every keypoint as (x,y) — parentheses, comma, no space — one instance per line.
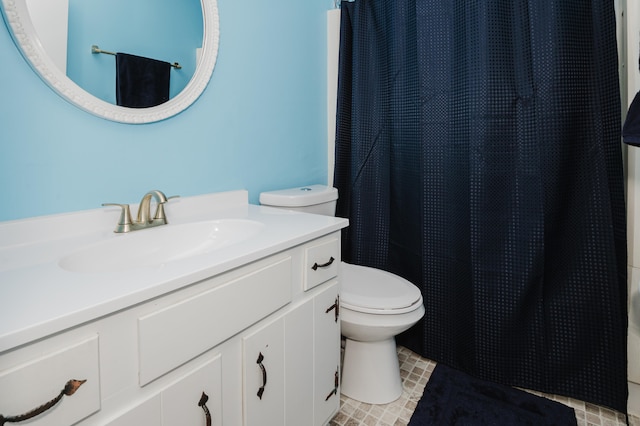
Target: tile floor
(415,372)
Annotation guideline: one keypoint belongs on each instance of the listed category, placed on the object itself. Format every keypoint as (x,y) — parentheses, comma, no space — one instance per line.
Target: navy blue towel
(141,82)
(631,128)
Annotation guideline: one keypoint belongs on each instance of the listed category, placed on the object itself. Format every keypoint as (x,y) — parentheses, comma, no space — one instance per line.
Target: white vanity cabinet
(268,324)
(291,364)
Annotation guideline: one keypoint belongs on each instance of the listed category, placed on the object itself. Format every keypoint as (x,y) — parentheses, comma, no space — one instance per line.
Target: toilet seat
(374,291)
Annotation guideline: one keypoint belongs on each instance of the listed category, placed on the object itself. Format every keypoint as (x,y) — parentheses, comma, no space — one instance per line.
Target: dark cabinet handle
(324,265)
(335,306)
(336,385)
(69,389)
(264,375)
(203,403)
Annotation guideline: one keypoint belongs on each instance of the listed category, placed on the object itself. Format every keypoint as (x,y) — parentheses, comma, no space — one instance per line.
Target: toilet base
(371,372)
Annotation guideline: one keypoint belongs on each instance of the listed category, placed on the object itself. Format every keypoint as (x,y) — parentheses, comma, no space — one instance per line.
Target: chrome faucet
(143,220)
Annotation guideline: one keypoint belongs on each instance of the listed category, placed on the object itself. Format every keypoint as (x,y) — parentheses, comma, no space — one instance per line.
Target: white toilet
(375,306)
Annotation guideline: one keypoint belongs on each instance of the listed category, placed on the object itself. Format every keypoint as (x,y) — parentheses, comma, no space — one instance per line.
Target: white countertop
(39,298)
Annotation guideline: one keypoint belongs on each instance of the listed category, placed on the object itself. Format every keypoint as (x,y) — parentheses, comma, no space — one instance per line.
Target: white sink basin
(157,246)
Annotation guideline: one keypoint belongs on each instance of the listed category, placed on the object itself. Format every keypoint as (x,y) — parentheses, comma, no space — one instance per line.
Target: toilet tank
(318,199)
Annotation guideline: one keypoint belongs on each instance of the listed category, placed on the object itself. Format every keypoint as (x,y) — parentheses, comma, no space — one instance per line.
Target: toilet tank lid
(299,197)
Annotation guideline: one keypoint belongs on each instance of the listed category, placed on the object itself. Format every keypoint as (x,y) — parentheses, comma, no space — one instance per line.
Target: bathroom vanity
(170,327)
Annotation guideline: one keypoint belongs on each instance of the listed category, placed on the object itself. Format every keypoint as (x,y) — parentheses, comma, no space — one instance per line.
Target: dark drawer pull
(324,265)
(69,389)
(264,375)
(203,403)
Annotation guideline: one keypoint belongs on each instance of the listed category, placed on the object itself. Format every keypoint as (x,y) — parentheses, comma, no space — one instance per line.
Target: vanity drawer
(174,335)
(321,261)
(40,380)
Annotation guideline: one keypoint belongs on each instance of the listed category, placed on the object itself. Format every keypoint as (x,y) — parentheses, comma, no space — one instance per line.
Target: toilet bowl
(375,306)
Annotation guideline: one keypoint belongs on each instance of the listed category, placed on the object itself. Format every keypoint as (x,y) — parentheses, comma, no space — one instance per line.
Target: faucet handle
(124,223)
(160,209)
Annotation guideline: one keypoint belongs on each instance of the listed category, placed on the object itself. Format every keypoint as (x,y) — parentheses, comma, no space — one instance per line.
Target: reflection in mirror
(167,30)
(51,21)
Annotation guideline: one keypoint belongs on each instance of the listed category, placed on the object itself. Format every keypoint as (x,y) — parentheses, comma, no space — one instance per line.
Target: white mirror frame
(24,34)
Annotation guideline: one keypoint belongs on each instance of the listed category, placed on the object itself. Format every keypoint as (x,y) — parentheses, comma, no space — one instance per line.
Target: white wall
(629,20)
(333,49)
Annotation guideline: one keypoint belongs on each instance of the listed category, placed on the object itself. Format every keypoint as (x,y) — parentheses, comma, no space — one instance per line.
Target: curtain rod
(96,49)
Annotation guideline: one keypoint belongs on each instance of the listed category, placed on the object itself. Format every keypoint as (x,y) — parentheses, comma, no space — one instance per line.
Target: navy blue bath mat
(455,398)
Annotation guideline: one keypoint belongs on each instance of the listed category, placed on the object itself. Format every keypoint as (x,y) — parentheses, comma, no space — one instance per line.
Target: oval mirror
(53,70)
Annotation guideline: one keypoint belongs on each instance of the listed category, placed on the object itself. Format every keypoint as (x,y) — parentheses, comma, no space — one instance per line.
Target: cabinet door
(263,375)
(144,413)
(180,403)
(194,397)
(327,354)
(299,361)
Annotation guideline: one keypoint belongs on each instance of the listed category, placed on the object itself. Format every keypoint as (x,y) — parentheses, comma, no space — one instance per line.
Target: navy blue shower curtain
(478,155)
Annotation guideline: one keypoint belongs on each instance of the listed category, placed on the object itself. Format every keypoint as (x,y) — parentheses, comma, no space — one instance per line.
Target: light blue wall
(259,125)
